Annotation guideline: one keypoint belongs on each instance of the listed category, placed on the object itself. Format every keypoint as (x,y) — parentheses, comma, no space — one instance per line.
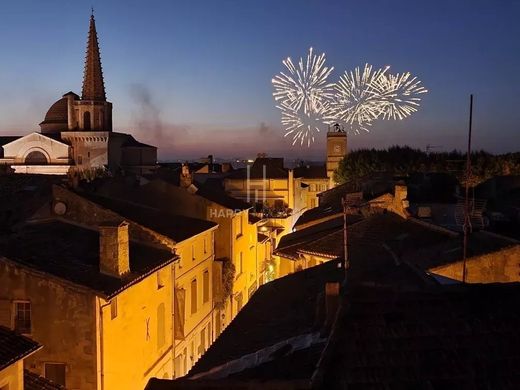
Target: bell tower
(93,112)
(336,149)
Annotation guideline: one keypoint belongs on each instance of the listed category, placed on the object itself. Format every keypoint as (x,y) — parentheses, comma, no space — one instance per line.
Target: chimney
(113,249)
(210,163)
(185,179)
(401,202)
(331,303)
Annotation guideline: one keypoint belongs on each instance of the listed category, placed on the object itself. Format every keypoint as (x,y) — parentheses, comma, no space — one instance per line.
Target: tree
(404,160)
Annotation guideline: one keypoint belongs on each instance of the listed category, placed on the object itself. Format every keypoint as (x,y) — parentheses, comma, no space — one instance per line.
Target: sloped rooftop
(14,347)
(71,253)
(463,337)
(176,227)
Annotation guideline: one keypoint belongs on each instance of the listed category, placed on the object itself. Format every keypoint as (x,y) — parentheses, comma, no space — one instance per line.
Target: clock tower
(336,149)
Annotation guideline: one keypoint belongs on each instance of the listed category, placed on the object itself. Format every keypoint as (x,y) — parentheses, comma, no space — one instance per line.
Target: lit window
(55,372)
(193,296)
(22,317)
(113,308)
(205,286)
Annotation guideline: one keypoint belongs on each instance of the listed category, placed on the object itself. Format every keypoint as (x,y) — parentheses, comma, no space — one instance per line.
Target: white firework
(308,101)
(302,126)
(303,95)
(356,102)
(399,95)
(363,97)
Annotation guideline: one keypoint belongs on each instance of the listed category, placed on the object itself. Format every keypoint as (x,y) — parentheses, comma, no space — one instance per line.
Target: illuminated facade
(93,298)
(189,282)
(235,239)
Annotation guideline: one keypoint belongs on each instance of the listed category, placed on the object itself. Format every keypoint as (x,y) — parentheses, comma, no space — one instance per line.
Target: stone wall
(501,266)
(62,319)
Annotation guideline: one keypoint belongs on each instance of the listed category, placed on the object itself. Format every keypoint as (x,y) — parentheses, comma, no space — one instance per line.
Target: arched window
(36,158)
(86,120)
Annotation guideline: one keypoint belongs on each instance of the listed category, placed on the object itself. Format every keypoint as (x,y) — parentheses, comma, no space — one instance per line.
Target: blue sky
(194,77)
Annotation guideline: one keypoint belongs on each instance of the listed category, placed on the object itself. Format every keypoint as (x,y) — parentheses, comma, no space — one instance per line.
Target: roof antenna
(467,220)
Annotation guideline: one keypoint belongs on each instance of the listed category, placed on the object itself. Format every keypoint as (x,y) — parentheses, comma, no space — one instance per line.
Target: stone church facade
(76,135)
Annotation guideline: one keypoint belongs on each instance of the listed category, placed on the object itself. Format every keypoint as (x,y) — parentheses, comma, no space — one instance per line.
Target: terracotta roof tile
(71,252)
(32,381)
(14,347)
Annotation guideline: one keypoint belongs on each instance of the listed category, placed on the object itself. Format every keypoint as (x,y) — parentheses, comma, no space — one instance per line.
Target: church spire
(93,85)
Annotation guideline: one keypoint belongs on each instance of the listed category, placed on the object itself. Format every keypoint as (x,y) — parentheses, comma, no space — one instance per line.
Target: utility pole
(467,221)
(346,209)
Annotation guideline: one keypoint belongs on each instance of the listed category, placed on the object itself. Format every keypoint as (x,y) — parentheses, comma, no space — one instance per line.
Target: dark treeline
(404,160)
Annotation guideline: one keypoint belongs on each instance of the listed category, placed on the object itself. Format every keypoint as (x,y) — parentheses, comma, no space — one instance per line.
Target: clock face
(337,148)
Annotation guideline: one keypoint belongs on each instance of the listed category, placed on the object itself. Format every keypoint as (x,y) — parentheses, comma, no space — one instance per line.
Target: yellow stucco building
(99,301)
(235,239)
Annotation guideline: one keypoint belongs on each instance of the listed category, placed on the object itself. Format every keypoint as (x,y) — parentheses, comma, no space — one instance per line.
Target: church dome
(57,112)
(56,118)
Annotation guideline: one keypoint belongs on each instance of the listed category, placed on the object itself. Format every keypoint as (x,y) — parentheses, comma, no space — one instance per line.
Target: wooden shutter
(179,313)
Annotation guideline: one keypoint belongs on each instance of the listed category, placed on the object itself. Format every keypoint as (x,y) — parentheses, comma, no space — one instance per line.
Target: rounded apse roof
(58,112)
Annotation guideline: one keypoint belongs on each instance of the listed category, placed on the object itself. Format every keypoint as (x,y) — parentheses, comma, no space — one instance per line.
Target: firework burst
(357,99)
(308,101)
(399,95)
(303,95)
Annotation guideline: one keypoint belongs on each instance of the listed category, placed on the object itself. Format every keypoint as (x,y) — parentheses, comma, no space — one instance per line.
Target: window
(80,160)
(202,347)
(160,282)
(239,264)
(193,252)
(22,317)
(239,301)
(55,372)
(113,308)
(193,296)
(239,225)
(161,337)
(205,286)
(205,246)
(177,367)
(86,121)
(35,158)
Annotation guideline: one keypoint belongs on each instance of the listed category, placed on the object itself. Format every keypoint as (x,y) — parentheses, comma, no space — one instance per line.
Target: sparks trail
(303,96)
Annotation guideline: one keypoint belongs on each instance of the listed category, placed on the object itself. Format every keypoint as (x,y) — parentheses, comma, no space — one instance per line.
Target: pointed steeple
(93,85)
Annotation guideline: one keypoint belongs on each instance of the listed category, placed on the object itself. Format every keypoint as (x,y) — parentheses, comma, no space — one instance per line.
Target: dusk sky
(194,77)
